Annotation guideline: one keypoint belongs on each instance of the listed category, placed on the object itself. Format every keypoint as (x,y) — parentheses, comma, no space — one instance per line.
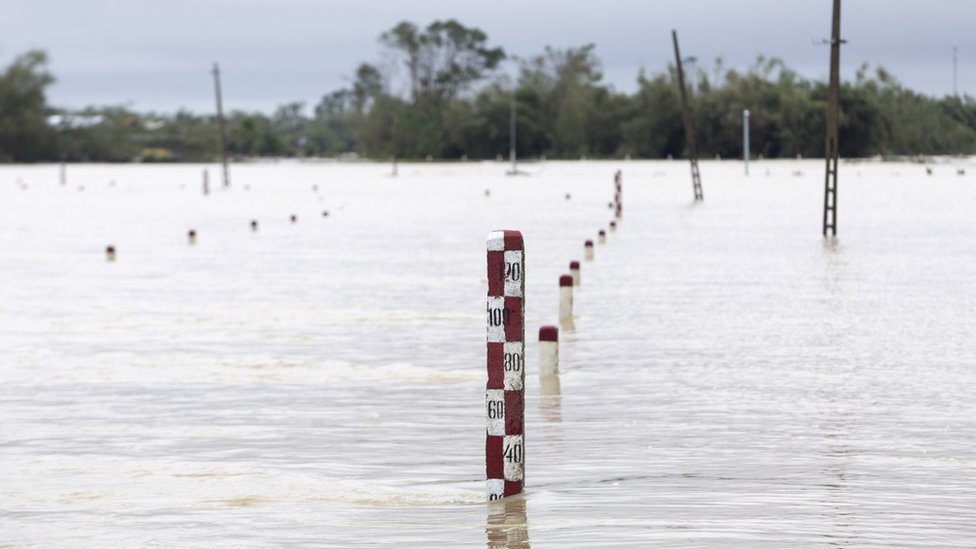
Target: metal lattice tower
(831,153)
(689,131)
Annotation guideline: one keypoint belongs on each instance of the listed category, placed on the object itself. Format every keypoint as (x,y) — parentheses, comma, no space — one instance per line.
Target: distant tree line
(441,94)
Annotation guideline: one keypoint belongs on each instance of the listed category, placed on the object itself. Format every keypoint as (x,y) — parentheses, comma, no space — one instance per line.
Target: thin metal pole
(220,123)
(689,131)
(745,138)
(511,135)
(831,153)
(955,66)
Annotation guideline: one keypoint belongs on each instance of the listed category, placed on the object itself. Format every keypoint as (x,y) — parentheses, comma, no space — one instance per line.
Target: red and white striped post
(574,271)
(588,250)
(548,351)
(566,302)
(505,393)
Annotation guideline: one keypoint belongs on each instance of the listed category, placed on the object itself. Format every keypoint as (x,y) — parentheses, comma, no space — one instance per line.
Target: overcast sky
(156,55)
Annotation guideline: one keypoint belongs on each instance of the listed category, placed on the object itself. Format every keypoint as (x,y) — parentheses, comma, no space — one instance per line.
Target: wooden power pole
(686,114)
(831,153)
(220,123)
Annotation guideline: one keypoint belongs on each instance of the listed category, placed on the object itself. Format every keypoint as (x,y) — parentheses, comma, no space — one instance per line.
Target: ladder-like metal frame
(689,130)
(833,106)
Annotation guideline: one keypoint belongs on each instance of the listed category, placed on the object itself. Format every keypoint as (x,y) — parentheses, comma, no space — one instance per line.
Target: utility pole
(745,138)
(686,114)
(955,66)
(512,137)
(831,153)
(220,123)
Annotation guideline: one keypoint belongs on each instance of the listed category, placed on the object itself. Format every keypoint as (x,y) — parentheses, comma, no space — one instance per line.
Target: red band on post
(548,333)
(589,244)
(565,280)
(574,265)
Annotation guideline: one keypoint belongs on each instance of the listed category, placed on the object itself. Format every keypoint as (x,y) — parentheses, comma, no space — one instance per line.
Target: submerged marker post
(505,392)
(548,351)
(566,302)
(588,250)
(574,271)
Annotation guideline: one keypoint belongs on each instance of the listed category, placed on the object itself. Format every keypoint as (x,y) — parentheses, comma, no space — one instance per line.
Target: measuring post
(686,115)
(831,153)
(220,124)
(505,393)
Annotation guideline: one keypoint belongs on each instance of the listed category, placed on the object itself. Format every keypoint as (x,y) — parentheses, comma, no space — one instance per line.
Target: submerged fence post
(505,392)
(566,302)
(574,271)
(548,350)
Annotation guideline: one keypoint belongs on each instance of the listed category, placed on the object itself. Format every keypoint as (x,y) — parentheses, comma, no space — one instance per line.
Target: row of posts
(505,390)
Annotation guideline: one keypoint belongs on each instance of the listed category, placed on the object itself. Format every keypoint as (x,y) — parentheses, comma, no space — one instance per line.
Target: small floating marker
(110,253)
(254,225)
(928,170)
(601,237)
(961,171)
(574,271)
(293,218)
(505,392)
(613,226)
(569,196)
(325,213)
(487,192)
(588,250)
(566,302)
(548,350)
(191,237)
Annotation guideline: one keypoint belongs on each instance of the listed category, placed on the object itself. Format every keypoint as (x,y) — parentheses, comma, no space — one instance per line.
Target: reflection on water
(507,526)
(550,399)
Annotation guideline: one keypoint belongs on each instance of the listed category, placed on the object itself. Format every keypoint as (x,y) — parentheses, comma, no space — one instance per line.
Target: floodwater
(733,379)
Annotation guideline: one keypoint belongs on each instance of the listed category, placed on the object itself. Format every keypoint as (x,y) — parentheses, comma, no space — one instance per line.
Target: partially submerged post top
(565,280)
(574,265)
(589,244)
(602,232)
(548,333)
